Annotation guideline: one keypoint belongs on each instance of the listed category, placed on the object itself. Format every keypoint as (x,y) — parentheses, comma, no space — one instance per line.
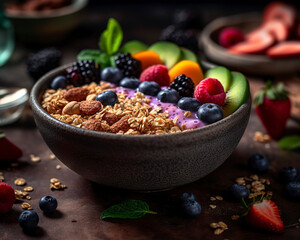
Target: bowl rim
(221,126)
(75,6)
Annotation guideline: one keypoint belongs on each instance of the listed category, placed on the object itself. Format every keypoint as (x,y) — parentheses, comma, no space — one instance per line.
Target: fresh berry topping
(7,197)
(210,90)
(265,215)
(131,83)
(83,72)
(128,65)
(273,107)
(29,220)
(187,196)
(190,208)
(107,98)
(288,174)
(238,192)
(58,82)
(292,190)
(189,104)
(43,62)
(258,163)
(149,88)
(156,73)
(230,36)
(48,204)
(9,151)
(168,95)
(111,74)
(209,113)
(183,85)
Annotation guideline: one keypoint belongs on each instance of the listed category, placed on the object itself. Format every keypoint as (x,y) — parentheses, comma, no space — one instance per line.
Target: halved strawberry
(265,215)
(285,50)
(280,11)
(259,44)
(8,150)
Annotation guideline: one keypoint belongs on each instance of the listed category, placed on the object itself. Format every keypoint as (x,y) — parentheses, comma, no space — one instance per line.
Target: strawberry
(273,107)
(7,197)
(156,73)
(265,215)
(8,150)
(284,50)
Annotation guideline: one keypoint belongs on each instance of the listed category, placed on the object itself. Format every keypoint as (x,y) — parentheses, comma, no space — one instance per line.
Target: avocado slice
(133,47)
(169,52)
(222,74)
(187,54)
(237,93)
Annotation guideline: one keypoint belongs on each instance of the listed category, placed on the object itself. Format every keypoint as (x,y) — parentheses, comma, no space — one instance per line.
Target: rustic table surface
(80,205)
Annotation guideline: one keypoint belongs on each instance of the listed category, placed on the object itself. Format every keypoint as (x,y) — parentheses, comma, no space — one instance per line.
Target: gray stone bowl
(142,163)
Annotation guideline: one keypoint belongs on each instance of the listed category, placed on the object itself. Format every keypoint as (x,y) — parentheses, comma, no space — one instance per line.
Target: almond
(71,108)
(93,124)
(76,94)
(110,118)
(91,97)
(90,107)
(121,125)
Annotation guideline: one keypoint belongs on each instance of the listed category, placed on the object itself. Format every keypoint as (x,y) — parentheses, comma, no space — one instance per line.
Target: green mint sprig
(109,44)
(290,142)
(129,209)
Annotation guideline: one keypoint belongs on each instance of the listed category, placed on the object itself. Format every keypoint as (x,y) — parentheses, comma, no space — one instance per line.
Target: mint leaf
(89,54)
(2,134)
(104,60)
(290,142)
(130,209)
(111,38)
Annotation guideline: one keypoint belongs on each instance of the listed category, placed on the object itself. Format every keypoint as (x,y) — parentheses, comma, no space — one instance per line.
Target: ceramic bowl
(253,64)
(47,27)
(144,162)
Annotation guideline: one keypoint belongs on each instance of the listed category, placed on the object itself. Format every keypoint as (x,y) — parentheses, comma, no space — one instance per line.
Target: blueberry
(28,219)
(209,113)
(187,196)
(48,204)
(258,163)
(111,74)
(288,174)
(189,104)
(131,83)
(238,192)
(292,190)
(191,208)
(168,95)
(107,98)
(58,82)
(149,88)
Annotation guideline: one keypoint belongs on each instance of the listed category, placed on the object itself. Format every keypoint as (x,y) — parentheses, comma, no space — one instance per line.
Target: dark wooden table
(80,205)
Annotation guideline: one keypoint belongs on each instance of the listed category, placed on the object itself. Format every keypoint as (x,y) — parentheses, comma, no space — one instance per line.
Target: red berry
(156,73)
(7,197)
(210,90)
(230,36)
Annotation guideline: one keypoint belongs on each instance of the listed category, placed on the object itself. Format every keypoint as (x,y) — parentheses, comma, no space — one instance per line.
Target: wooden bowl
(252,64)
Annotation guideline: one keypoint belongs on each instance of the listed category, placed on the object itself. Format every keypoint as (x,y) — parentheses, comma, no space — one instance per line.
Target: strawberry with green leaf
(8,150)
(273,107)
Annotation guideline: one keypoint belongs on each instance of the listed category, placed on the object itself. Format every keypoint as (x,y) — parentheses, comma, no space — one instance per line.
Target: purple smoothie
(190,123)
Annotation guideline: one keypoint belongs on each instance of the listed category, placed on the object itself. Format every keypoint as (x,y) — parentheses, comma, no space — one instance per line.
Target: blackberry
(183,85)
(83,72)
(128,65)
(42,62)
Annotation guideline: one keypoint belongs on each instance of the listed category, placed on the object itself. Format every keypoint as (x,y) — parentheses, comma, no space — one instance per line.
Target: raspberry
(230,36)
(210,90)
(7,197)
(183,85)
(156,73)
(128,65)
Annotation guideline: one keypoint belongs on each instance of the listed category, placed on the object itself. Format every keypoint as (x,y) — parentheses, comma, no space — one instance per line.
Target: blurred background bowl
(46,27)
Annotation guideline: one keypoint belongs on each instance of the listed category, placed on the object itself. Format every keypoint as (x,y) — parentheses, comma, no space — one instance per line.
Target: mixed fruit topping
(165,79)
(277,37)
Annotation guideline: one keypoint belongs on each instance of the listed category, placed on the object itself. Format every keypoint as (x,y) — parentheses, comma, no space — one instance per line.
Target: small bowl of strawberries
(263,44)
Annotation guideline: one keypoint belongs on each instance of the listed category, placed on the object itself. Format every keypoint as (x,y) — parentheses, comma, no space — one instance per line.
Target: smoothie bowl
(142,124)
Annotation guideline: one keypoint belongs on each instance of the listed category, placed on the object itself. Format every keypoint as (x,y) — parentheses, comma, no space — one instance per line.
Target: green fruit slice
(169,52)
(222,74)
(187,54)
(237,94)
(133,47)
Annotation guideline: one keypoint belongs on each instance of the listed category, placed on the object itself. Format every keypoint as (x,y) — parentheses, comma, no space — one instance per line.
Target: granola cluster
(130,116)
